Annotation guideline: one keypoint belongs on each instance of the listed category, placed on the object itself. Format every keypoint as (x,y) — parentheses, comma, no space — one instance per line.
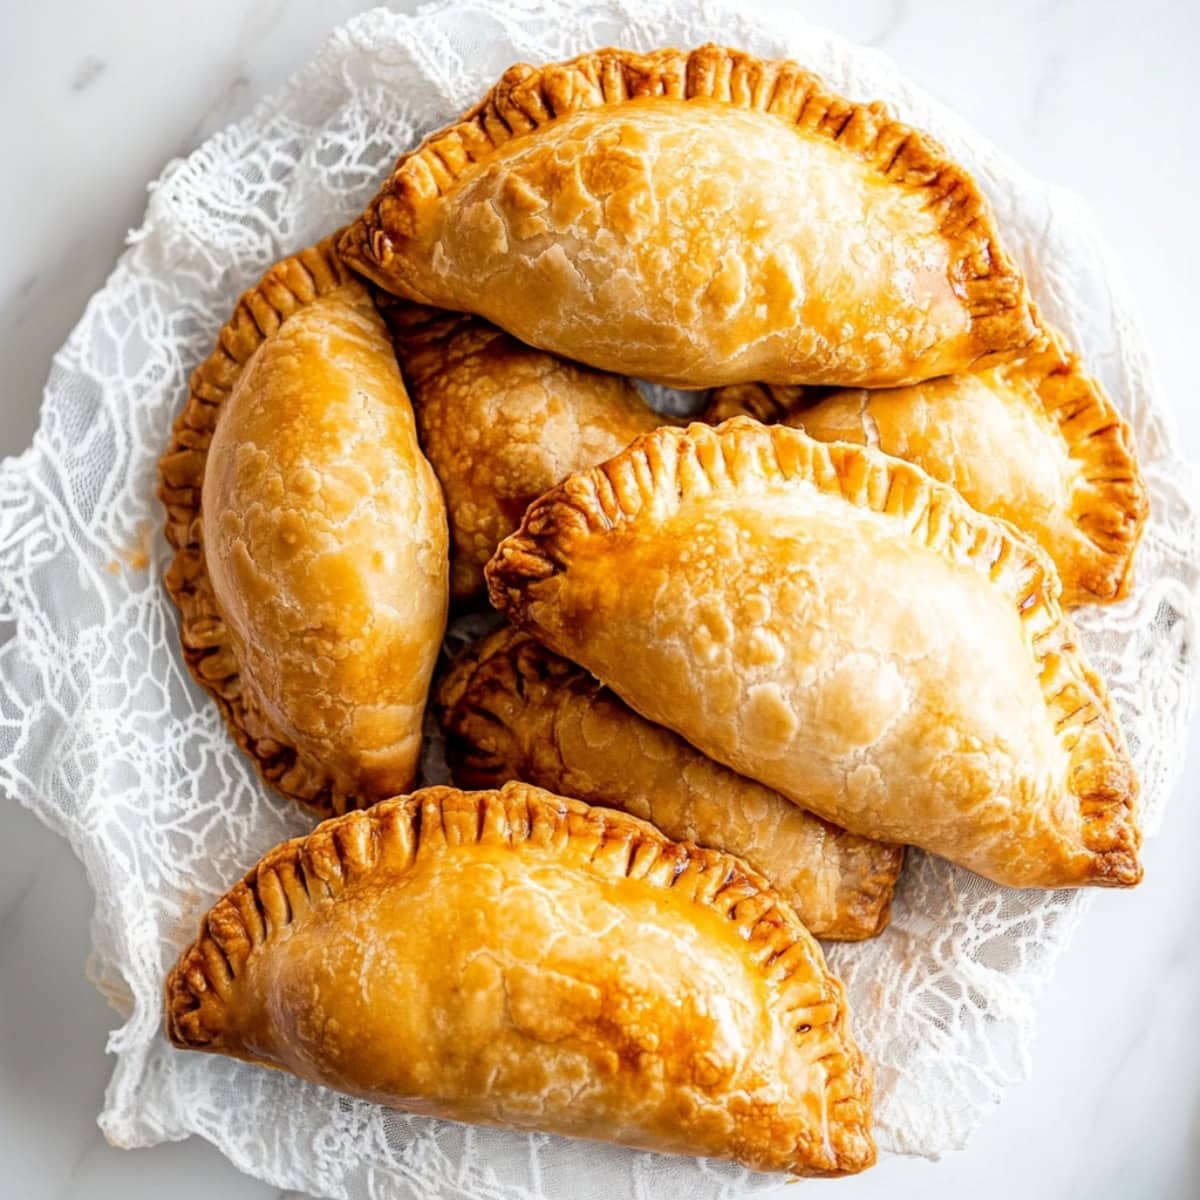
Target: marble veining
(1096,95)
(892,18)
(88,71)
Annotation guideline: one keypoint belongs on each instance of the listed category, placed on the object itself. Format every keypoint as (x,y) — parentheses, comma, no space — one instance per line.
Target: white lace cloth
(104,736)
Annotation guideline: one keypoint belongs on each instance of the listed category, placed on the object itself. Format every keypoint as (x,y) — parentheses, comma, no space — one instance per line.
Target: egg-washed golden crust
(312,584)
(574,206)
(518,959)
(512,709)
(501,423)
(1036,442)
(838,625)
(1109,501)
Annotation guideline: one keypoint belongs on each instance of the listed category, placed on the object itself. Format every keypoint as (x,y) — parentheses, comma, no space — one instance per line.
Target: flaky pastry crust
(518,959)
(700,218)
(512,709)
(838,625)
(501,423)
(1036,442)
(310,564)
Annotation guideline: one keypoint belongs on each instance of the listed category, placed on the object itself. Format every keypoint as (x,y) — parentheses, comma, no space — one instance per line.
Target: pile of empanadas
(747,660)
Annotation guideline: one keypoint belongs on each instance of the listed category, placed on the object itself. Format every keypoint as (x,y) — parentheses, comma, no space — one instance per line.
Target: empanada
(517,959)
(697,219)
(837,625)
(1037,442)
(511,709)
(311,566)
(501,423)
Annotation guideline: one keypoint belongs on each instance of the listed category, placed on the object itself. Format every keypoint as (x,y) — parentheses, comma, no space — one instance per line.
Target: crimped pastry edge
(286,288)
(1100,442)
(527,97)
(511,658)
(308,871)
(672,466)
(1115,504)
(765,402)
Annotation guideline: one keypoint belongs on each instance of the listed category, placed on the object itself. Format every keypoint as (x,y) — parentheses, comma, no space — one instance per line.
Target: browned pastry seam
(286,288)
(527,97)
(765,402)
(300,875)
(1113,509)
(672,467)
(511,662)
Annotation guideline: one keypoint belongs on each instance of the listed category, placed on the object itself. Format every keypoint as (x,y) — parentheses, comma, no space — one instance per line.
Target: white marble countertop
(1098,96)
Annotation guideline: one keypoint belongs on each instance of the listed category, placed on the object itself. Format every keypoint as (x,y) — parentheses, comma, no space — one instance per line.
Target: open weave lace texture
(104,736)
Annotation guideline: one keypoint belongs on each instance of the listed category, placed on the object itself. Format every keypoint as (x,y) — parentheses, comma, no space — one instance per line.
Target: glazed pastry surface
(501,423)
(697,219)
(511,709)
(311,566)
(518,959)
(837,625)
(1035,442)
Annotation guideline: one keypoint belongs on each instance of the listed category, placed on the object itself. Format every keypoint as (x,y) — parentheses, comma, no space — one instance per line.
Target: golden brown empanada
(501,423)
(513,958)
(1037,442)
(310,536)
(836,624)
(511,709)
(697,219)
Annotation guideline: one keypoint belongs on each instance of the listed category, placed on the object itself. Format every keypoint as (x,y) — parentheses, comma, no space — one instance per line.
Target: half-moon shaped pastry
(310,537)
(513,958)
(501,423)
(837,625)
(511,709)
(1037,442)
(699,218)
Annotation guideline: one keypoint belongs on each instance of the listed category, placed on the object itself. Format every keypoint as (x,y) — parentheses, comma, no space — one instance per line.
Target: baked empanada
(310,535)
(513,958)
(837,625)
(1037,442)
(511,709)
(501,423)
(697,219)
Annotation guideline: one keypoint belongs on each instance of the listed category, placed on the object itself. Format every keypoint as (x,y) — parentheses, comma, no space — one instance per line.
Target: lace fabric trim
(105,737)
